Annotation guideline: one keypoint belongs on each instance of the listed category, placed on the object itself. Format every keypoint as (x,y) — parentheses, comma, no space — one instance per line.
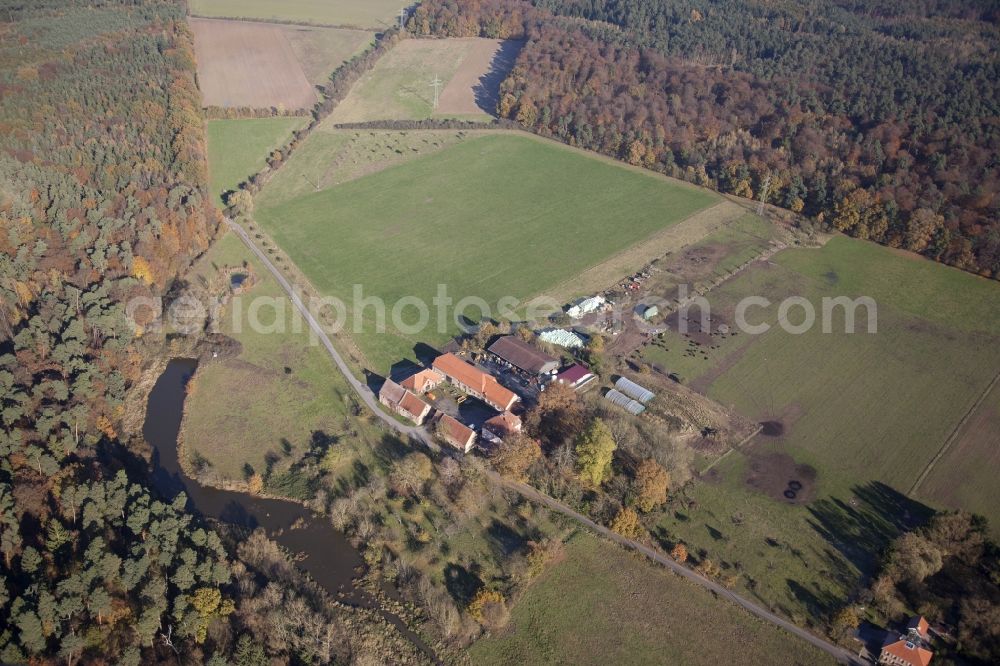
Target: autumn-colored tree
(540,553)
(636,152)
(708,568)
(651,485)
(489,608)
(506,106)
(914,558)
(845,620)
(921,228)
(527,113)
(515,455)
(679,552)
(557,416)
(594,450)
(241,201)
(104,425)
(141,270)
(487,330)
(255,484)
(209,604)
(626,522)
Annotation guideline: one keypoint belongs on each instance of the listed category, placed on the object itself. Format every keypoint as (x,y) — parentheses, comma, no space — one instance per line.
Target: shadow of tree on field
(487,91)
(861,528)
(504,540)
(461,583)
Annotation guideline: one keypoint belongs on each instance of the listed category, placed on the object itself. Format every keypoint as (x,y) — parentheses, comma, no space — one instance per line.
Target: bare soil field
(260,65)
(371,14)
(778,476)
(475,87)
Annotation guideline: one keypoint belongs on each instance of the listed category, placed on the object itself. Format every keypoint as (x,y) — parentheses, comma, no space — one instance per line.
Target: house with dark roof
(577,377)
(512,351)
(470,379)
(455,433)
(500,427)
(911,649)
(403,402)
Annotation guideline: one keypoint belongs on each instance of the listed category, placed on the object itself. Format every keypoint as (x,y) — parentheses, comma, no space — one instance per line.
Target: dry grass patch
(602,605)
(262,65)
(399,87)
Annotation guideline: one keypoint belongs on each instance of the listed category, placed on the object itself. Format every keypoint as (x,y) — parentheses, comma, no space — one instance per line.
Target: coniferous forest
(103,198)
(880,119)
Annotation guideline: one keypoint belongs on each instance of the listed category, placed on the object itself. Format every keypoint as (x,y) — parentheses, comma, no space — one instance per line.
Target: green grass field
(239,148)
(965,477)
(282,387)
(332,156)
(602,605)
(862,410)
(494,216)
(865,407)
(399,86)
(373,14)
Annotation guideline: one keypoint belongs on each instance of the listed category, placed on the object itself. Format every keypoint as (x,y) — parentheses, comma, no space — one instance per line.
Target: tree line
(878,121)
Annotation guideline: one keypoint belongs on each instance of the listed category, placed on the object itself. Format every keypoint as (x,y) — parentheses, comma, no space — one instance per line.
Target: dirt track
(249,64)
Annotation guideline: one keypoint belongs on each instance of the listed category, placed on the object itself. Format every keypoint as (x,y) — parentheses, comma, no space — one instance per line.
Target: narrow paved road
(421,435)
(365,393)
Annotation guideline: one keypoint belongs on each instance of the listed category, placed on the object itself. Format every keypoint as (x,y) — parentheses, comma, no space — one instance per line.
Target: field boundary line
(282,22)
(953,436)
(744,442)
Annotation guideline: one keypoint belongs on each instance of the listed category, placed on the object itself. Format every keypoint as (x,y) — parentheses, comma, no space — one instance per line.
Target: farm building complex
(475,382)
(456,433)
(512,351)
(501,427)
(403,402)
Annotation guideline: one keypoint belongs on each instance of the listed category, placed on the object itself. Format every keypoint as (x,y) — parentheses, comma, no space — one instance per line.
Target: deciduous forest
(879,119)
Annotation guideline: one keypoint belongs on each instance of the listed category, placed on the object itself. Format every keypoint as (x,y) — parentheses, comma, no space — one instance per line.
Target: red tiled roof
(456,432)
(909,653)
(504,424)
(920,624)
(477,380)
(422,381)
(414,405)
(498,395)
